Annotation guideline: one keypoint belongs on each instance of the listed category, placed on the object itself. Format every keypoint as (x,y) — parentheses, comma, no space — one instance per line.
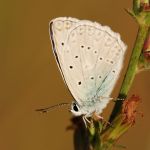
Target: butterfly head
(75,109)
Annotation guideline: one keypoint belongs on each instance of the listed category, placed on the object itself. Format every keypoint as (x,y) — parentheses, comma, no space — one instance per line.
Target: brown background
(29,77)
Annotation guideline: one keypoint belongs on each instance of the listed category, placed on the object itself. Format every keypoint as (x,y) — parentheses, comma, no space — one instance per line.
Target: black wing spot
(88,47)
(95,52)
(92,78)
(76,56)
(101,58)
(62,44)
(111,62)
(79,83)
(113,71)
(100,77)
(71,67)
(82,46)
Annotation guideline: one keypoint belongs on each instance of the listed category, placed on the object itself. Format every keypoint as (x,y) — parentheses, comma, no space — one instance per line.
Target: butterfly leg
(100,118)
(86,120)
(97,117)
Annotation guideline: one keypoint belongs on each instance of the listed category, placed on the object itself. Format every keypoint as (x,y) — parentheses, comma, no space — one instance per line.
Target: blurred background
(30,79)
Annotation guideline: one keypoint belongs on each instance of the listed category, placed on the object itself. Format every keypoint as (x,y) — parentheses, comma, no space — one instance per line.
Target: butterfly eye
(113,71)
(75,108)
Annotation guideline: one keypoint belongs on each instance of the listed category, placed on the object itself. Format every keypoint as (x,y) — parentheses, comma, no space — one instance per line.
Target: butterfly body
(90,57)
(94,105)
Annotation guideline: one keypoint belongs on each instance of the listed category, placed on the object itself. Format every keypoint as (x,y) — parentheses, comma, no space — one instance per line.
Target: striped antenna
(118,99)
(113,99)
(45,110)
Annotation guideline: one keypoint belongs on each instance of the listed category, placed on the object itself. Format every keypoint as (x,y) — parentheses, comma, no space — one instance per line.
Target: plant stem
(132,68)
(136,6)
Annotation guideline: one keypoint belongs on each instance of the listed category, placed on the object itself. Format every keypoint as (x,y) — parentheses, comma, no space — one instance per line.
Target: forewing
(58,30)
(87,57)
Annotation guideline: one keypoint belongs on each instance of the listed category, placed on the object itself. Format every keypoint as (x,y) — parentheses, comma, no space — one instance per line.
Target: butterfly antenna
(113,99)
(118,99)
(45,110)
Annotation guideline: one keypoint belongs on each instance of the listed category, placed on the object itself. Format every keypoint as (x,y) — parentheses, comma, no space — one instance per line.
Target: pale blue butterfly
(90,58)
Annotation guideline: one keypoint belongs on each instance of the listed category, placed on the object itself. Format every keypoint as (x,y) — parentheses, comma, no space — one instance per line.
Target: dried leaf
(129,109)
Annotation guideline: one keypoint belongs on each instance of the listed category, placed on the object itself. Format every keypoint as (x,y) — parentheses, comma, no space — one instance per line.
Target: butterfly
(90,58)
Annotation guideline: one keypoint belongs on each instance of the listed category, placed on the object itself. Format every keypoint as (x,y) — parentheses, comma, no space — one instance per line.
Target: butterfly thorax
(88,107)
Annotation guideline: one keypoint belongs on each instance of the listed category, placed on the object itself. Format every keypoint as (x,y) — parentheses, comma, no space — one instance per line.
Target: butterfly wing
(89,54)
(58,30)
(110,80)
